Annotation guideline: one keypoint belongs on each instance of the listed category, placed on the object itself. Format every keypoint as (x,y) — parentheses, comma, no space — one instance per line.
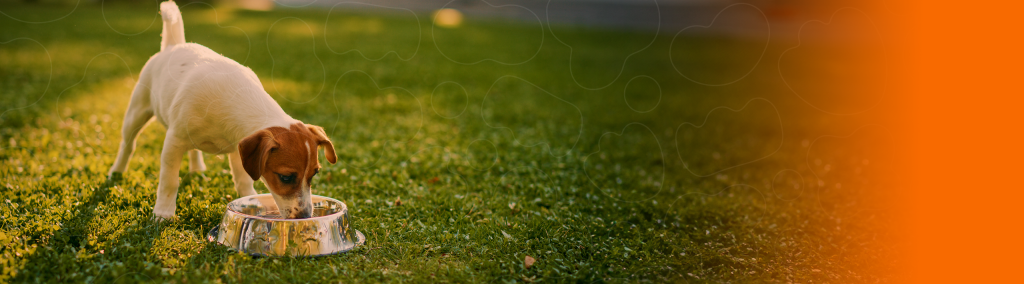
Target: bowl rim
(335,215)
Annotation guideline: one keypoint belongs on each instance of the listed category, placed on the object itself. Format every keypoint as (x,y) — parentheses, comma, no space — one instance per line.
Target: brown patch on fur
(322,140)
(277,151)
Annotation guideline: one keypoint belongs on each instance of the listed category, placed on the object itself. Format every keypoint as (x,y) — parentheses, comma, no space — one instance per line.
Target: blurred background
(785,16)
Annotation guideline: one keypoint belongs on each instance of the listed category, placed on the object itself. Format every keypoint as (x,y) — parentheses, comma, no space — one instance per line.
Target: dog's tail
(174,28)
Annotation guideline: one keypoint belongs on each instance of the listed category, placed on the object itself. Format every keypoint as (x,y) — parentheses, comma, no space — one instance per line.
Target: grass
(524,153)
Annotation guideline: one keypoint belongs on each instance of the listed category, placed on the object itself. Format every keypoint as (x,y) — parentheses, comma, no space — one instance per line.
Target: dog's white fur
(208,103)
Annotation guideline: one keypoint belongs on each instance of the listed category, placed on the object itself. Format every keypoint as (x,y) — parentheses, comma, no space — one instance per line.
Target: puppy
(212,104)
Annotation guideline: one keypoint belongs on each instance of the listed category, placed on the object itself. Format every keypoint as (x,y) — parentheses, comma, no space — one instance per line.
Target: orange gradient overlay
(945,81)
(960,84)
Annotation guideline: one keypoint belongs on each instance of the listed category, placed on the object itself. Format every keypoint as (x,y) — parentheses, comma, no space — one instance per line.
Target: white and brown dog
(212,104)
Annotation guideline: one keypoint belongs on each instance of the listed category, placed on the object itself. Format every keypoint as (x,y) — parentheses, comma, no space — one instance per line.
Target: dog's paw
(164,219)
(161,216)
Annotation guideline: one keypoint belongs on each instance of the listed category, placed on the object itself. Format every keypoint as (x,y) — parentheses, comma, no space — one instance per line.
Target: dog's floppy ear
(254,151)
(322,140)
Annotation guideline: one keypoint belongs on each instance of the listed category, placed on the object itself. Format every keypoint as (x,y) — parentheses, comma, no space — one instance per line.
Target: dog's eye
(286,178)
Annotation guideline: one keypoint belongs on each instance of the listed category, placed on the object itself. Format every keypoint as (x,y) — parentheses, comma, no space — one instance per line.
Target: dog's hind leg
(167,188)
(139,114)
(195,161)
(243,183)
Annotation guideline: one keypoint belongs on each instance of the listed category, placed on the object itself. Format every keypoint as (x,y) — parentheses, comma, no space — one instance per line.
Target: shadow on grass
(85,250)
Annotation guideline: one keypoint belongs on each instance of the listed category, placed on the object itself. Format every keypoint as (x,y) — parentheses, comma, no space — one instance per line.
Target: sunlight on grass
(218,15)
(291,28)
(30,56)
(292,90)
(174,247)
(354,25)
(448,18)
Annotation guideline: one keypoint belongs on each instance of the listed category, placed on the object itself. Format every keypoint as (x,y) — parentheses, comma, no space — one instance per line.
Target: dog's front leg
(243,183)
(167,189)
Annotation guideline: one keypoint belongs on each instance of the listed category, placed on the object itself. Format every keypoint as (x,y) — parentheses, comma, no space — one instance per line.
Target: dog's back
(190,79)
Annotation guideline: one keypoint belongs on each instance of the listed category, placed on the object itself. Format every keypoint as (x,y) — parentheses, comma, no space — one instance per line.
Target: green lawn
(502,140)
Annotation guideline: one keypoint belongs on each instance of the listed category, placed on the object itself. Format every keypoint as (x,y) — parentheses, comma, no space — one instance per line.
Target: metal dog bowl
(253,225)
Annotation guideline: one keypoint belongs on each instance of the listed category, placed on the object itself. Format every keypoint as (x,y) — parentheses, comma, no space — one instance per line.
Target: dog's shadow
(69,249)
(113,238)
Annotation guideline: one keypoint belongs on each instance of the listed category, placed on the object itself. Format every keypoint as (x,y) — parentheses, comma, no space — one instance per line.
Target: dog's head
(287,160)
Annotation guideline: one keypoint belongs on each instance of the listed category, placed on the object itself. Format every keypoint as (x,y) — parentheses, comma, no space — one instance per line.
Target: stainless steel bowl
(253,225)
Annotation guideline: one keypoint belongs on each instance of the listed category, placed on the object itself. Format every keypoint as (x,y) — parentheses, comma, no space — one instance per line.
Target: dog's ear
(254,151)
(323,140)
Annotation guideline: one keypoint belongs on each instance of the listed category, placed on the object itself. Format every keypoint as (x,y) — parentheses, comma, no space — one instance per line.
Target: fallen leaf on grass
(529,261)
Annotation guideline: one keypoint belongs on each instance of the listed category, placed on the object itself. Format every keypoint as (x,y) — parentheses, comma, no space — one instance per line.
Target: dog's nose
(301,213)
